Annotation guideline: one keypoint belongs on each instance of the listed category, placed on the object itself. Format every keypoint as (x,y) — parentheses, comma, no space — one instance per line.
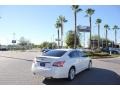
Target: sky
(37,22)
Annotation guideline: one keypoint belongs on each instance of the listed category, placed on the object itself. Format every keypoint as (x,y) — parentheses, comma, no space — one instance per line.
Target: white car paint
(80,64)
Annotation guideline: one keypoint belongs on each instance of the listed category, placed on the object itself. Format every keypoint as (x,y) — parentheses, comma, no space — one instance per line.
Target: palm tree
(58,25)
(115,28)
(89,13)
(98,21)
(75,9)
(106,26)
(62,20)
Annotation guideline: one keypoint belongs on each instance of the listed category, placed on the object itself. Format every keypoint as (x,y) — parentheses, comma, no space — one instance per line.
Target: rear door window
(82,54)
(74,54)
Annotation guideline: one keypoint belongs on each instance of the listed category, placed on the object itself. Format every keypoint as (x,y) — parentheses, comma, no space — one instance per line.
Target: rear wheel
(71,74)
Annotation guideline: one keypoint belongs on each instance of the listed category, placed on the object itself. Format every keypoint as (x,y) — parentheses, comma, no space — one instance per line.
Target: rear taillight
(59,64)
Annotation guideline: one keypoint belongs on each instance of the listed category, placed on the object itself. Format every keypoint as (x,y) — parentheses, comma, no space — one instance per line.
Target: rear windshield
(55,53)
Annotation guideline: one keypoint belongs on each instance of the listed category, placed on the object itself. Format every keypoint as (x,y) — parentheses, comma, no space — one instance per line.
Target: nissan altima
(61,63)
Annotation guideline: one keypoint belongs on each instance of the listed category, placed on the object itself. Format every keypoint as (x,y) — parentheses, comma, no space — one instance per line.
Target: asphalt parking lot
(15,69)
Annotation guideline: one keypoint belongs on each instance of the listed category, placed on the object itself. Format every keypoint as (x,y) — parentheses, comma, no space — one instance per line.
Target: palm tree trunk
(98,36)
(58,39)
(90,31)
(61,34)
(75,31)
(115,37)
(106,39)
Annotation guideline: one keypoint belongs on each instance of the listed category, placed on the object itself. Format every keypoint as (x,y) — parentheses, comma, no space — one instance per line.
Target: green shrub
(97,54)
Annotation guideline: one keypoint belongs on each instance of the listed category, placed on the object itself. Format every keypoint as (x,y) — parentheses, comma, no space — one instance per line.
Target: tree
(49,45)
(58,25)
(62,20)
(89,13)
(24,43)
(98,21)
(75,9)
(115,28)
(106,26)
(45,44)
(70,39)
(52,45)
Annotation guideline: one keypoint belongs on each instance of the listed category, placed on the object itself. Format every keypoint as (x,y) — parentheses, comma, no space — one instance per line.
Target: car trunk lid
(46,61)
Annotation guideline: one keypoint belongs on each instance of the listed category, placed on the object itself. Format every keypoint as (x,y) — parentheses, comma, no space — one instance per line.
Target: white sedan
(61,63)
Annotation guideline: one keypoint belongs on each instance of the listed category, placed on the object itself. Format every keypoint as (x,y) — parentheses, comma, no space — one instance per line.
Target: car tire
(89,65)
(71,74)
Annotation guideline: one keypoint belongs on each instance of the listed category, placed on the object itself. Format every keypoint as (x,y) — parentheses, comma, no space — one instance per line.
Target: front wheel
(71,74)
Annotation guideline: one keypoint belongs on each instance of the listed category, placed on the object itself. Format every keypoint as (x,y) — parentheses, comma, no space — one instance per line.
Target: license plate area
(42,64)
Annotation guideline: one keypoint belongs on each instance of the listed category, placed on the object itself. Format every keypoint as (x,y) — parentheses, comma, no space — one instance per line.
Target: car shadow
(95,76)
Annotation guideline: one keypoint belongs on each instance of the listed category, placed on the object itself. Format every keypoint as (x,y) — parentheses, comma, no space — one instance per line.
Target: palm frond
(75,7)
(78,10)
(90,11)
(98,21)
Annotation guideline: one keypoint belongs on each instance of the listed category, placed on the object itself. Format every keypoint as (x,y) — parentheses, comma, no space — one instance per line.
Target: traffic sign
(13,41)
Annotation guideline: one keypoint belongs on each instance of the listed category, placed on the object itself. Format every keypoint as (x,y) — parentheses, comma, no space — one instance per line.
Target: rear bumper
(49,72)
(46,72)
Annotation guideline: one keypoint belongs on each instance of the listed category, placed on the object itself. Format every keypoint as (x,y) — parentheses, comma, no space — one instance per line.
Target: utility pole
(52,40)
(13,41)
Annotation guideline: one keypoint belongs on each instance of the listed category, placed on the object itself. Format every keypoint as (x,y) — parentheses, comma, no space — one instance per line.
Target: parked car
(45,50)
(116,51)
(105,50)
(3,48)
(112,50)
(61,63)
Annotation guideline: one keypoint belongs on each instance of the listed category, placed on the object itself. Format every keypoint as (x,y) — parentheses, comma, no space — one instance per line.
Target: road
(15,69)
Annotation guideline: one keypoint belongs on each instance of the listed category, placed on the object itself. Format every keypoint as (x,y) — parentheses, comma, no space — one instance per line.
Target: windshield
(55,53)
